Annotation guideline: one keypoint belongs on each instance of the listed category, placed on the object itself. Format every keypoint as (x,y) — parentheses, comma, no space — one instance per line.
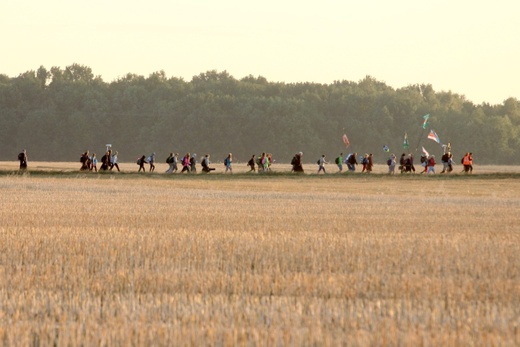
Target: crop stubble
(277,261)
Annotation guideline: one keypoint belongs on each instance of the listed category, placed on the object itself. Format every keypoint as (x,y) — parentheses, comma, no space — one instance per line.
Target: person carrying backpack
(22,157)
(251,163)
(205,164)
(141,161)
(227,163)
(321,164)
(169,161)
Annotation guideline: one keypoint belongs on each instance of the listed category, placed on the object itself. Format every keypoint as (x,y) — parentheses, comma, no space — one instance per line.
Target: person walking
(114,162)
(364,162)
(467,161)
(251,163)
(424,163)
(392,162)
(151,162)
(193,163)
(321,164)
(169,161)
(205,164)
(105,160)
(352,162)
(370,163)
(22,157)
(339,162)
(402,160)
(85,161)
(141,161)
(227,162)
(175,162)
(93,161)
(186,163)
(431,164)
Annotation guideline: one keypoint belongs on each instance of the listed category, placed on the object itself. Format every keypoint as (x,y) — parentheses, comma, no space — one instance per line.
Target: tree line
(56,114)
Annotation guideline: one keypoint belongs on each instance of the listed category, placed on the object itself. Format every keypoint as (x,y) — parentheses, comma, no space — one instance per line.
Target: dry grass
(106,260)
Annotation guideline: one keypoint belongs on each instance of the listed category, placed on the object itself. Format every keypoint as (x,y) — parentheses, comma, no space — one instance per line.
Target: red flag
(345,140)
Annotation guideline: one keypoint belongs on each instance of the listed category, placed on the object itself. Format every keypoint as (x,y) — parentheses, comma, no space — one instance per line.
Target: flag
(345,140)
(425,152)
(386,148)
(405,141)
(433,136)
(425,123)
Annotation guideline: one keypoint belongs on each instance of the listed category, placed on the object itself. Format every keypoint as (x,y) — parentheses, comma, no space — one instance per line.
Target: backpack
(462,161)
(226,161)
(138,162)
(318,162)
(20,156)
(389,162)
(169,160)
(364,161)
(337,160)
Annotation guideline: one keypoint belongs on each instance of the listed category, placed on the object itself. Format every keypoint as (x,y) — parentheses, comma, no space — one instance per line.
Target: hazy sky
(469,47)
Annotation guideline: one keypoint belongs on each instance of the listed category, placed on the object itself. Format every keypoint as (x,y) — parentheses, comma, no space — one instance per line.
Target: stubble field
(261,260)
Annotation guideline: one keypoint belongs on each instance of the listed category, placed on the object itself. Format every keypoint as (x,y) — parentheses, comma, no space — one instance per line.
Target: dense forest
(57,114)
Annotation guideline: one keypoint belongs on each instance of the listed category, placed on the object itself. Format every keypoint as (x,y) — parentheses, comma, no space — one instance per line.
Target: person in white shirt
(113,161)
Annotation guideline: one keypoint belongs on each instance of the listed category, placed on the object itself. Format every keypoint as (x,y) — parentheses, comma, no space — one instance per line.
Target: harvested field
(128,259)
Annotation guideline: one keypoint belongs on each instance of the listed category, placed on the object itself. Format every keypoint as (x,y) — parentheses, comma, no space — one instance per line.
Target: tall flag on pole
(345,140)
(405,141)
(425,123)
(433,136)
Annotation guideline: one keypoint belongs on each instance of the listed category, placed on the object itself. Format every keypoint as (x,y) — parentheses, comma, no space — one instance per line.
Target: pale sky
(471,48)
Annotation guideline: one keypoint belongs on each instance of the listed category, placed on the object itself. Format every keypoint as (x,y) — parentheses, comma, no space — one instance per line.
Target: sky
(470,48)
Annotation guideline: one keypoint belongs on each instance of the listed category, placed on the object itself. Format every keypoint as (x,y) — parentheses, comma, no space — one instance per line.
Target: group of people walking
(262,163)
(108,161)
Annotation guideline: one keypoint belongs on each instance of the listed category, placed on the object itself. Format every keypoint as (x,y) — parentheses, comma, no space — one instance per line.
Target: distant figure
(431,164)
(402,162)
(85,161)
(412,167)
(408,164)
(296,162)
(22,157)
(364,162)
(169,161)
(227,163)
(251,163)
(93,165)
(175,162)
(269,161)
(205,164)
(141,161)
(450,162)
(113,161)
(264,161)
(352,162)
(391,164)
(185,163)
(339,162)
(193,163)
(467,161)
(105,161)
(321,164)
(424,162)
(151,161)
(370,163)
